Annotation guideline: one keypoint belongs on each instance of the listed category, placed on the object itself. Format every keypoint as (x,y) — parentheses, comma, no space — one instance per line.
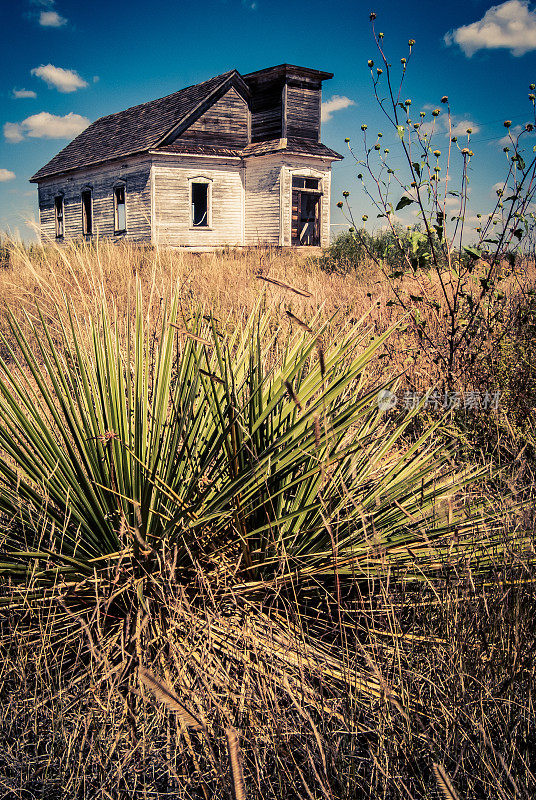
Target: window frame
(306,179)
(87,190)
(203,179)
(61,198)
(118,186)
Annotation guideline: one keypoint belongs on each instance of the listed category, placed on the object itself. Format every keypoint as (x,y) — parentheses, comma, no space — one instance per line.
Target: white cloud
(64,80)
(440,125)
(13,132)
(6,175)
(514,131)
(22,93)
(51,19)
(433,126)
(46,126)
(461,127)
(337,103)
(510,25)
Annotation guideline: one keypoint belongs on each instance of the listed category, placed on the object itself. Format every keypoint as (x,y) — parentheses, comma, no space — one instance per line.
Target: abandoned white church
(233,161)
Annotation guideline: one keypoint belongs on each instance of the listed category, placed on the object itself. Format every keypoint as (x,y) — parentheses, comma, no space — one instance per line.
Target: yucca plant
(233,464)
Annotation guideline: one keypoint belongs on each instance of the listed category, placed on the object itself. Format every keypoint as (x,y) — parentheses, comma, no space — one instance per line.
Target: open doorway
(305,212)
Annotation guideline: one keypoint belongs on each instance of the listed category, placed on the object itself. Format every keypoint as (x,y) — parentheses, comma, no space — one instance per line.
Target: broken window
(120,209)
(58,216)
(305,183)
(87,213)
(200,204)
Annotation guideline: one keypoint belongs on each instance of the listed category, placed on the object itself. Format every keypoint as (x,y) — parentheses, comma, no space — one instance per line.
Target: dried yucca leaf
(238,783)
(282,285)
(300,323)
(166,695)
(444,782)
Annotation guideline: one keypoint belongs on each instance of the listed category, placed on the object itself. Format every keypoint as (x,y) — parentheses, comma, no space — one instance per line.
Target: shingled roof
(135,130)
(143,128)
(293,145)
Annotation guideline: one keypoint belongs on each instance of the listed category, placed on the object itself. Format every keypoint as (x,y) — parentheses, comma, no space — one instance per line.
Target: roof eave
(161,152)
(285,68)
(37,177)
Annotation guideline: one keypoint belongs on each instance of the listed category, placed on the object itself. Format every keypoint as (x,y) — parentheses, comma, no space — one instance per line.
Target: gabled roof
(137,129)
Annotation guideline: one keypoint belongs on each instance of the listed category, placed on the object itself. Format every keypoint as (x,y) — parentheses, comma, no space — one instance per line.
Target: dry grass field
(374,639)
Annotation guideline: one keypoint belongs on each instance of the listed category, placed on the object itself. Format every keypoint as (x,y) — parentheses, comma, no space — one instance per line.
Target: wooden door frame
(304,172)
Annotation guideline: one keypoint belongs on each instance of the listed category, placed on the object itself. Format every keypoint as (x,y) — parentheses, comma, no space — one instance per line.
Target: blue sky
(66,62)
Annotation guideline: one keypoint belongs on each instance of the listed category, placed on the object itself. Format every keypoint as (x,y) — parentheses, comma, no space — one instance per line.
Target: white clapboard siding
(172,213)
(262,218)
(135,175)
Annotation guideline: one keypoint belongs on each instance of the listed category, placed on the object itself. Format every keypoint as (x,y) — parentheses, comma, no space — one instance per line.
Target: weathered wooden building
(233,161)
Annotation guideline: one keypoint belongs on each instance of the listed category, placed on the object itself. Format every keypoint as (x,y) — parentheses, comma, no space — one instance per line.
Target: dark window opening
(200,205)
(58,215)
(305,183)
(120,209)
(87,213)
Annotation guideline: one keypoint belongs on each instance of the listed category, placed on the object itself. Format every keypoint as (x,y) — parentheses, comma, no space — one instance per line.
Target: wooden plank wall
(172,202)
(135,174)
(303,109)
(266,105)
(225,123)
(263,200)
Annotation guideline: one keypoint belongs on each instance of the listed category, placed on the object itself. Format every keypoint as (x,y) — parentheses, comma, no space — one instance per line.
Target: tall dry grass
(229,283)
(452,657)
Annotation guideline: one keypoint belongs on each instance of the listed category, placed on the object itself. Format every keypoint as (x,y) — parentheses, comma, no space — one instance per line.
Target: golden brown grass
(229,284)
(452,660)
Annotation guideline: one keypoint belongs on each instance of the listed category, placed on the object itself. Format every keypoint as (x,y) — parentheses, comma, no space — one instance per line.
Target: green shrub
(361,250)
